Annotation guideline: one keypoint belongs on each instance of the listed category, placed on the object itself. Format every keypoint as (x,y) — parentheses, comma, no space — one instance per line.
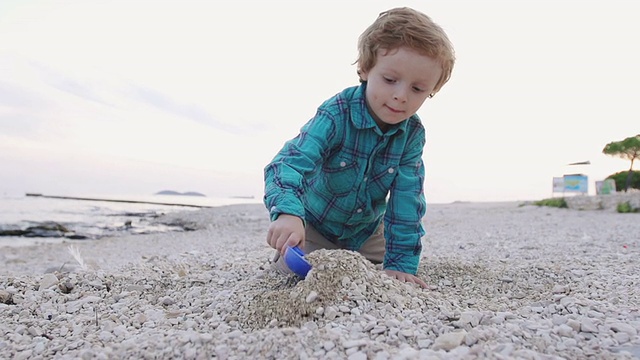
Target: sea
(31,219)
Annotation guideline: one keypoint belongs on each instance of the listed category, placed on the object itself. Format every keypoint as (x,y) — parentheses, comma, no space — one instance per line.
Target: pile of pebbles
(504,282)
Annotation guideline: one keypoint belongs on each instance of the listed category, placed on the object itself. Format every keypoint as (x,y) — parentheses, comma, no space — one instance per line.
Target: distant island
(243,197)
(171,192)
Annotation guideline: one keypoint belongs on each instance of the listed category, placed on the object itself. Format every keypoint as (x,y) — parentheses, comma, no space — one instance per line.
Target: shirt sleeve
(405,210)
(284,175)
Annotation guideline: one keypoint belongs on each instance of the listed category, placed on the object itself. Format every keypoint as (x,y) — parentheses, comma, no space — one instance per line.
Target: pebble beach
(506,281)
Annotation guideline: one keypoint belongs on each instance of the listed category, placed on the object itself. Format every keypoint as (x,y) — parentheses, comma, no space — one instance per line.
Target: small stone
(574,324)
(347,344)
(47,281)
(586,325)
(558,319)
(358,356)
(39,348)
(328,345)
(621,338)
(63,331)
(449,341)
(206,338)
(564,330)
(408,353)
(66,287)
(313,295)
(166,301)
(5,297)
(570,342)
(105,336)
(139,288)
(558,289)
(331,313)
(34,331)
(311,326)
(471,301)
(625,328)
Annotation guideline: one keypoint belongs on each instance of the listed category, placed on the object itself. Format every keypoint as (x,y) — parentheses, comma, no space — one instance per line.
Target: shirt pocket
(340,175)
(381,178)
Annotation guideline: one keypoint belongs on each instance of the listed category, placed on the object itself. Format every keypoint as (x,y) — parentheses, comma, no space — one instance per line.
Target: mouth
(393,110)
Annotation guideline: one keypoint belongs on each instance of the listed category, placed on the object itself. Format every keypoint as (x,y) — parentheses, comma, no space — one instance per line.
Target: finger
(281,242)
(418,281)
(293,240)
(422,283)
(270,238)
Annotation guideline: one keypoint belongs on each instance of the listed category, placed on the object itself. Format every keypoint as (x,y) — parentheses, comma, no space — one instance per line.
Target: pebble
(534,289)
(625,328)
(47,281)
(449,341)
(311,297)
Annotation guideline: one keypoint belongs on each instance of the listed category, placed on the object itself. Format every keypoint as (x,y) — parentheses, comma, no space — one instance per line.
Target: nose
(400,95)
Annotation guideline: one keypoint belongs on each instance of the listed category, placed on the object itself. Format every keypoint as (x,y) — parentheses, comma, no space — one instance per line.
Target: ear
(363,75)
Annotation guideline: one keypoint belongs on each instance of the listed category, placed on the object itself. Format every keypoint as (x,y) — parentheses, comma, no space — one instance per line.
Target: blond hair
(406,27)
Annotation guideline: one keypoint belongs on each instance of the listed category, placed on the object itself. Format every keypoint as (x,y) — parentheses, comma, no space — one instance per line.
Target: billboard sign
(577,183)
(606,187)
(558,184)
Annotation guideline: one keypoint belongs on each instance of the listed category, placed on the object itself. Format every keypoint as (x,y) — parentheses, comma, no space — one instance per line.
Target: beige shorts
(373,249)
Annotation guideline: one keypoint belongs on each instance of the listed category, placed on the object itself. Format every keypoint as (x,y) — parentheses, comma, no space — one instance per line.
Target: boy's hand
(285,230)
(404,277)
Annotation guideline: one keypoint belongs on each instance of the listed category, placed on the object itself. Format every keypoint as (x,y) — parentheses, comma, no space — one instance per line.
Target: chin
(394,121)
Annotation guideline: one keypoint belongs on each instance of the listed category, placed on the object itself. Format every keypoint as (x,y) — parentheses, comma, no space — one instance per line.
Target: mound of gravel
(505,282)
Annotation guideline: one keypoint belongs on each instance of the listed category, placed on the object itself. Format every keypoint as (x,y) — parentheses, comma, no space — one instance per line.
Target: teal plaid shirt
(338,173)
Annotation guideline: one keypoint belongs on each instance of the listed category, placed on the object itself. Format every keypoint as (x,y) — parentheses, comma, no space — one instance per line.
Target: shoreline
(505,281)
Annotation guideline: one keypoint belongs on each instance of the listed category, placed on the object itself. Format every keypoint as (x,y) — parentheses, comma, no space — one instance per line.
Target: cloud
(21,111)
(190,111)
(63,82)
(20,126)
(18,97)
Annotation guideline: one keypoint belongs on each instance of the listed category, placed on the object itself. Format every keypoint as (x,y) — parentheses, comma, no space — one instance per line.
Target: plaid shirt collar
(361,116)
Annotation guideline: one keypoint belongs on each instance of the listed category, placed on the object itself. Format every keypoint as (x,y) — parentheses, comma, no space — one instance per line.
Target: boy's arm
(405,210)
(284,175)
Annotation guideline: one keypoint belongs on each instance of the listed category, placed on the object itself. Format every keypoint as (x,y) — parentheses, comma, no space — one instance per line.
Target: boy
(353,178)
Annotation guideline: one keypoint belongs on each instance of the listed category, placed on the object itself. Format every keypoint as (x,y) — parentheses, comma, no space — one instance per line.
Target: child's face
(399,83)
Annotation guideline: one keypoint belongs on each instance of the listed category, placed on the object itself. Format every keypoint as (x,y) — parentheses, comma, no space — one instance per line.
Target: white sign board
(558,184)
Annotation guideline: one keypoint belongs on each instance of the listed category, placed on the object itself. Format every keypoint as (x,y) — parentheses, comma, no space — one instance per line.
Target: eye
(417,89)
(388,80)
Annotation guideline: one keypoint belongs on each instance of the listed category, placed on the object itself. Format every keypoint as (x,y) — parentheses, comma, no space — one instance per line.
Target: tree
(629,149)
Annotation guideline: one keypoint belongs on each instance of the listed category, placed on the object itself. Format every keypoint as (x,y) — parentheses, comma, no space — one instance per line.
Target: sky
(133,97)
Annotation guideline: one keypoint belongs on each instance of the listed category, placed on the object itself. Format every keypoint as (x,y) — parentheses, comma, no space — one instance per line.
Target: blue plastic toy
(294,258)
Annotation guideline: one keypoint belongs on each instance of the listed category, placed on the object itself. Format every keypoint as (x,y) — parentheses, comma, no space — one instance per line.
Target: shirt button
(390,170)
(343,164)
(273,208)
(359,211)
(365,178)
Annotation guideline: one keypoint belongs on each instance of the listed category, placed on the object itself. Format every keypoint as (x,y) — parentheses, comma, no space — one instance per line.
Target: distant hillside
(171,192)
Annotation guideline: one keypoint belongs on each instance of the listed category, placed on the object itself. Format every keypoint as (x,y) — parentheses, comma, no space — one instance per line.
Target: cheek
(372,95)
(379,92)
